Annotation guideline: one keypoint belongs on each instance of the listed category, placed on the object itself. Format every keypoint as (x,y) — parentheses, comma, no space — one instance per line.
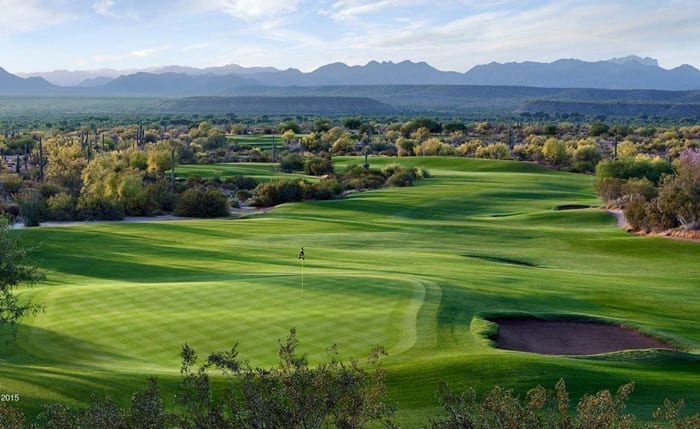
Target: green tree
(597,129)
(65,163)
(159,157)
(288,136)
(15,269)
(586,158)
(352,123)
(554,151)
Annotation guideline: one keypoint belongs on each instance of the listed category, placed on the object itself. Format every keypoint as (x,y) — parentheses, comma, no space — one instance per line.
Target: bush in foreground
(337,394)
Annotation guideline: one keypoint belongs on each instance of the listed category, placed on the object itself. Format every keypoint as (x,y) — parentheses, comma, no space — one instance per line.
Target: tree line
(107,172)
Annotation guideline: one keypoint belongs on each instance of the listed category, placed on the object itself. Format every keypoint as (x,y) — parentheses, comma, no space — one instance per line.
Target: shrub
(160,196)
(401,178)
(326,189)
(98,208)
(9,210)
(202,202)
(636,212)
(61,207)
(586,158)
(493,151)
(357,177)
(318,166)
(11,184)
(279,192)
(609,189)
(30,209)
(243,195)
(241,182)
(292,162)
(11,417)
(630,168)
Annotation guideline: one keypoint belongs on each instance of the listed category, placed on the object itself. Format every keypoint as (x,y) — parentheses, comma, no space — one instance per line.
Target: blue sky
(44,35)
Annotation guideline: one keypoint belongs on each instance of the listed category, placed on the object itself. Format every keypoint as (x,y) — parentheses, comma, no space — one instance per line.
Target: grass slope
(410,268)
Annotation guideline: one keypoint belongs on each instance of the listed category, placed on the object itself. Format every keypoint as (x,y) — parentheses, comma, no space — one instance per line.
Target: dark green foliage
(398,175)
(318,166)
(279,192)
(321,125)
(30,209)
(453,126)
(10,211)
(501,409)
(11,417)
(96,208)
(196,397)
(15,269)
(629,168)
(586,159)
(352,123)
(432,125)
(597,129)
(160,196)
(550,130)
(60,207)
(200,201)
(621,130)
(104,414)
(292,395)
(243,195)
(11,184)
(357,177)
(326,189)
(241,182)
(148,410)
(289,125)
(58,416)
(292,162)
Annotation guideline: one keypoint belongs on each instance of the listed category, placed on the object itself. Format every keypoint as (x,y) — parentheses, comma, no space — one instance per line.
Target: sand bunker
(569,338)
(572,207)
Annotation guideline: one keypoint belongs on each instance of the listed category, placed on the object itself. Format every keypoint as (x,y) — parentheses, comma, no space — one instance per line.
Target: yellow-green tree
(554,151)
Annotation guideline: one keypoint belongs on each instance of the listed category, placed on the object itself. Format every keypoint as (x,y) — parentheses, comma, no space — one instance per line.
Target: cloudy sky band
(43,35)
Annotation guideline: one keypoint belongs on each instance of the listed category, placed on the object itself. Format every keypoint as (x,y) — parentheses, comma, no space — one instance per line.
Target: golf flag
(301,259)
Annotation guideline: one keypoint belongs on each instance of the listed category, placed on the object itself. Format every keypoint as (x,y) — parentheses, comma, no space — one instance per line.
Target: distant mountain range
(629,86)
(630,72)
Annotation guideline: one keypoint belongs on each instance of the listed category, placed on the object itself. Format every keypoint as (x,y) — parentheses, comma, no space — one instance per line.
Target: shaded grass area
(409,268)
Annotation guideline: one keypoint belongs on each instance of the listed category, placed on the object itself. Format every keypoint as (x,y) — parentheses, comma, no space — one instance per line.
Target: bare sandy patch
(570,338)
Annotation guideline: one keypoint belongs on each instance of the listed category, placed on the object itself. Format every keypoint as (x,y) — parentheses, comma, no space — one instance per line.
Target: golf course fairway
(415,269)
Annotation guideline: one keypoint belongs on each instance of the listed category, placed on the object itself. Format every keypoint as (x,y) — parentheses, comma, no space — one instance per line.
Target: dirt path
(620,216)
(138,219)
(570,338)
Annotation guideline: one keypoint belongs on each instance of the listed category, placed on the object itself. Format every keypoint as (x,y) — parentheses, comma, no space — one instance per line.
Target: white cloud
(585,30)
(244,9)
(25,16)
(147,52)
(104,7)
(350,10)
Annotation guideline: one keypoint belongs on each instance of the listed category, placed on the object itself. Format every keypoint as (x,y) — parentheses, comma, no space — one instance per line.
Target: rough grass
(387,266)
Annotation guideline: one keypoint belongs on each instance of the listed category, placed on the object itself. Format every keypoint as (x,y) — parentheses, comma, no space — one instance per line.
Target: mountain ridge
(631,72)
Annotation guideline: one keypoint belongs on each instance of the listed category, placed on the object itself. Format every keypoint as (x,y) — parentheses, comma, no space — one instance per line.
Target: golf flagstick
(301,259)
